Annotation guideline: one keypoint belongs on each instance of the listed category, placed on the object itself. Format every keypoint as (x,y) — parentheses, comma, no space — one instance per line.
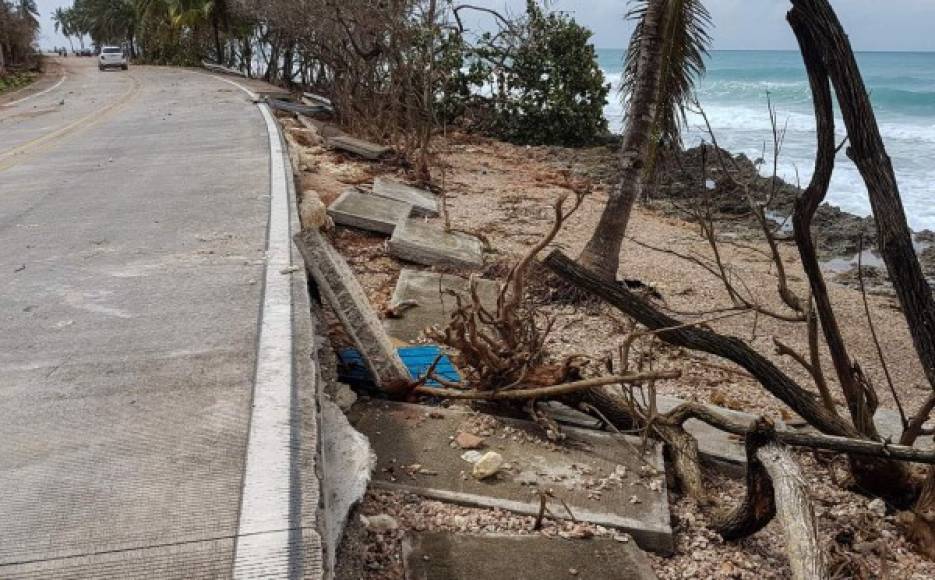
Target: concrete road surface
(133,221)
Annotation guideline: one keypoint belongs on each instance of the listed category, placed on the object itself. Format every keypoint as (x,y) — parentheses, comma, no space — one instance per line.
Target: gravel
(505,192)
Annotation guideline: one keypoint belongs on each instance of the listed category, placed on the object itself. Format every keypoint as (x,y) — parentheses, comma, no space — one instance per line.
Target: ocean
(734,91)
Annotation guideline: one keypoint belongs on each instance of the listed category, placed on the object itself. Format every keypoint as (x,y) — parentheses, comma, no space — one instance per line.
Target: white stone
(488,465)
(380,523)
(471,456)
(877,507)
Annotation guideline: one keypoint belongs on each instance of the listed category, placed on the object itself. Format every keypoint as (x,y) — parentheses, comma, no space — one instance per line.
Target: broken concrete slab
(424,203)
(890,425)
(423,243)
(340,288)
(434,306)
(314,99)
(346,463)
(568,416)
(438,555)
(290,107)
(365,149)
(267,94)
(599,475)
(327,130)
(722,451)
(368,212)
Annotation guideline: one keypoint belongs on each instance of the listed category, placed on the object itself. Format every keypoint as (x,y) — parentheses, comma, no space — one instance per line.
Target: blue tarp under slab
(417,359)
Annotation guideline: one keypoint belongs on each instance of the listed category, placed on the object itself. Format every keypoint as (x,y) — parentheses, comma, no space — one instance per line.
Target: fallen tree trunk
(881,449)
(758,506)
(877,474)
(790,490)
(675,332)
(775,487)
(521,393)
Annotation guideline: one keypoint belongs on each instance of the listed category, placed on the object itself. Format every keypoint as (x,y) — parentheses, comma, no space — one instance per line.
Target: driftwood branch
(847,445)
(794,510)
(553,391)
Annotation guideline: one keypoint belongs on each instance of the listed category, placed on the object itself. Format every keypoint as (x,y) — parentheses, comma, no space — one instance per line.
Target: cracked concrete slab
(428,244)
(436,555)
(368,212)
(600,476)
(365,149)
(424,203)
(433,305)
(347,461)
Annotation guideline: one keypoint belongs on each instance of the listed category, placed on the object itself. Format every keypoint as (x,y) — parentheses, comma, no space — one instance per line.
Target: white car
(112,57)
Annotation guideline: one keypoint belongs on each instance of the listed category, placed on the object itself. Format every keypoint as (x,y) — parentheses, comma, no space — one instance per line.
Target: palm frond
(685,26)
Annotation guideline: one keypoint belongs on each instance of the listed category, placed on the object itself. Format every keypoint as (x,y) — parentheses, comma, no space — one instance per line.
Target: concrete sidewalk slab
(428,244)
(434,305)
(437,556)
(598,475)
(368,212)
(424,203)
(365,149)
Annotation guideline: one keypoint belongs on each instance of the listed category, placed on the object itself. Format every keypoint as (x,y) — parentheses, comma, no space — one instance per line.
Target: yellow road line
(11,157)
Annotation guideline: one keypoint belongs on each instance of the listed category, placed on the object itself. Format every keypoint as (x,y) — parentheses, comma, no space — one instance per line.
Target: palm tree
(193,13)
(63,25)
(665,56)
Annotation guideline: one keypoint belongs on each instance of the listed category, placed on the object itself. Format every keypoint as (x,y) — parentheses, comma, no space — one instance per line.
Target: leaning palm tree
(665,56)
(63,24)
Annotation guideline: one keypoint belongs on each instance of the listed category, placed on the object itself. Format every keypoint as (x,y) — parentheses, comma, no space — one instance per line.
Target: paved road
(133,218)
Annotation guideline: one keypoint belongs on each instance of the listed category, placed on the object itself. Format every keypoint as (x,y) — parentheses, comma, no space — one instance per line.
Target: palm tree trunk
(602,253)
(217,37)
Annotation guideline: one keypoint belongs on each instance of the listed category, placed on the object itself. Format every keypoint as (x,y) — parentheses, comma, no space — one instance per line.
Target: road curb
(278,532)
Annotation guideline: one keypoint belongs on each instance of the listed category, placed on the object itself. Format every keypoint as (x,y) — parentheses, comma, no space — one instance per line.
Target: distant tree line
(392,69)
(19,26)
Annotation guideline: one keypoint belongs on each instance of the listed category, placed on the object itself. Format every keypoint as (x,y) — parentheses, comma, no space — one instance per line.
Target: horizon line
(888,51)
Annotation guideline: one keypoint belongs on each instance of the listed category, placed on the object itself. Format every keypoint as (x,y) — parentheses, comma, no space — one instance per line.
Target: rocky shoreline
(840,236)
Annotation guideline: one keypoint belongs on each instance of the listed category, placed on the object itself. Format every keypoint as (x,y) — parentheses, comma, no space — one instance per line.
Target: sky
(739,24)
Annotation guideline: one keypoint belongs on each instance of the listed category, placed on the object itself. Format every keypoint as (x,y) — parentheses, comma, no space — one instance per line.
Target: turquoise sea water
(734,96)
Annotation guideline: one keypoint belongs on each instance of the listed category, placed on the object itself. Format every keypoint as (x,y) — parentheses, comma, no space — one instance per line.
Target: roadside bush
(546,85)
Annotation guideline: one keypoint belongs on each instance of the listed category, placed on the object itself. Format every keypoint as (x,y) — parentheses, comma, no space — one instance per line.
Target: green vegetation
(17,80)
(392,69)
(551,90)
(19,25)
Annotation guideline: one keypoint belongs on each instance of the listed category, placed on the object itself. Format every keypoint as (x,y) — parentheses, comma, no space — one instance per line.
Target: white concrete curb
(265,502)
(271,541)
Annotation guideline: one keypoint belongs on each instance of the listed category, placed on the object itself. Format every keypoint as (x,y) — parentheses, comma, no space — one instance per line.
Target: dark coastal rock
(927,259)
(874,277)
(684,176)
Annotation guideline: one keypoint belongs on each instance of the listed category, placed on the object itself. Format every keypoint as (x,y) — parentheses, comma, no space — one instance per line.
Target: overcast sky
(740,24)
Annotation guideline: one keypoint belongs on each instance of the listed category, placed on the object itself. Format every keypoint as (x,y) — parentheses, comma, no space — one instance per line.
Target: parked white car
(113,57)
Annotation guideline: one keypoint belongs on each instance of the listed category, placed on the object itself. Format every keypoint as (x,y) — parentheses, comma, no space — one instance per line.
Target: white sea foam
(738,113)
